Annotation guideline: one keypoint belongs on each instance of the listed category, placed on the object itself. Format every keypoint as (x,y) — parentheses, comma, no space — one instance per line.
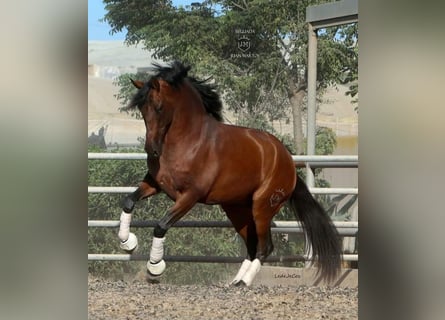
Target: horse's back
(260,149)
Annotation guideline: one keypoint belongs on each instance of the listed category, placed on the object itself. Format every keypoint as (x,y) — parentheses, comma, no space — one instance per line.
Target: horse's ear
(138,84)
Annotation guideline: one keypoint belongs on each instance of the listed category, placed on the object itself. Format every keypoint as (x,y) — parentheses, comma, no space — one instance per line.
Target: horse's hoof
(240,283)
(156,269)
(152,278)
(131,244)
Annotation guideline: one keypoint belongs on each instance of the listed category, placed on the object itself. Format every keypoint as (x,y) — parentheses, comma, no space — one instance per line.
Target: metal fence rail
(347,228)
(344,228)
(143,156)
(331,161)
(205,259)
(312,190)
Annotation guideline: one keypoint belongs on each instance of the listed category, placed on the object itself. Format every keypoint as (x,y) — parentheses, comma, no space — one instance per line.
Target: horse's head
(168,92)
(155,109)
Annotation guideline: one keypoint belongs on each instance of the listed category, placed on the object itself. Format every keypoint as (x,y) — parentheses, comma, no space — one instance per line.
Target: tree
(349,36)
(255,50)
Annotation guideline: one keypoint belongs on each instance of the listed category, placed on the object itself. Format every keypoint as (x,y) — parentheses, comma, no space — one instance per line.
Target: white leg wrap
(244,267)
(156,265)
(157,250)
(156,269)
(250,274)
(131,243)
(124,228)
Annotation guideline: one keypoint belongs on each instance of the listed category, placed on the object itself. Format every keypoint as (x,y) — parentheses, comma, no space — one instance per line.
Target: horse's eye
(158,108)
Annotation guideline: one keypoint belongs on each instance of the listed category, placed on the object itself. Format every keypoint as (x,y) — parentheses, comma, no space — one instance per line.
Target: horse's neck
(188,124)
(191,112)
(190,118)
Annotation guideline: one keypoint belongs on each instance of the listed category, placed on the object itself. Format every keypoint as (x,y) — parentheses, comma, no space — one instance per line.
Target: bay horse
(193,157)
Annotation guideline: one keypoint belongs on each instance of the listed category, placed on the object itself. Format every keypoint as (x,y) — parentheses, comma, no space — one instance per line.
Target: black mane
(174,74)
(209,96)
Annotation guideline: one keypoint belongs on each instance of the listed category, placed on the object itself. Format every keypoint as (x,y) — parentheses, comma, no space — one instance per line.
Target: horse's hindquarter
(248,161)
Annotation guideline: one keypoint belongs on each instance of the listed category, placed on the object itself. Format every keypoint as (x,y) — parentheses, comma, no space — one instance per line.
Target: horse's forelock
(140,96)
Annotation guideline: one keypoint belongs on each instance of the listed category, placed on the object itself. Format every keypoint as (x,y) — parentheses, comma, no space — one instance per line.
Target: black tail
(320,232)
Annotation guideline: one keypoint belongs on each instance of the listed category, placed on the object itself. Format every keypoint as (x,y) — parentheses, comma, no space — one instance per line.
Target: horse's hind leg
(128,240)
(243,221)
(262,213)
(265,245)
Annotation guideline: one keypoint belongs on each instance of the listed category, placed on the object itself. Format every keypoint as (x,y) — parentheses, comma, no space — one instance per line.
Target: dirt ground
(141,300)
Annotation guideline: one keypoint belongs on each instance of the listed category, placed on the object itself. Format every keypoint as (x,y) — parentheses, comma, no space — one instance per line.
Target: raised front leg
(128,240)
(156,265)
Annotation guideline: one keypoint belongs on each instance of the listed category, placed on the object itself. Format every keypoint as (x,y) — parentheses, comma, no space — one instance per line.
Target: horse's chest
(172,180)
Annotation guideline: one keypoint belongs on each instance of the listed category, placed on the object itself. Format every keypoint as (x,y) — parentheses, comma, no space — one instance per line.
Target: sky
(100,30)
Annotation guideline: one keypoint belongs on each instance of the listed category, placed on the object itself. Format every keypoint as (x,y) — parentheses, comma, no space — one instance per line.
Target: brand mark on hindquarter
(276,197)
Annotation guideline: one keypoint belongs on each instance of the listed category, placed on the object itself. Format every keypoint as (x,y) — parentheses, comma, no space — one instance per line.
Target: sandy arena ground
(141,300)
